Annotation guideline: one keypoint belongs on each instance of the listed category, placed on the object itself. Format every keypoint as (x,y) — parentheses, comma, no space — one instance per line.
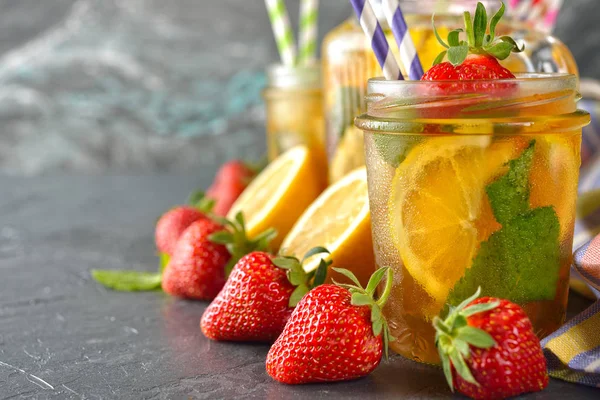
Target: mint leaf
(128,281)
(521,261)
(509,195)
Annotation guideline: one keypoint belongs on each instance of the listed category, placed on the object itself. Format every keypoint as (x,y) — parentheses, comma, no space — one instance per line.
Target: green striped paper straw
(309,13)
(280,21)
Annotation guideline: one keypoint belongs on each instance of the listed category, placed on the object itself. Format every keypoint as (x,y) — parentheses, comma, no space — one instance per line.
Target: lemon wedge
(339,220)
(279,194)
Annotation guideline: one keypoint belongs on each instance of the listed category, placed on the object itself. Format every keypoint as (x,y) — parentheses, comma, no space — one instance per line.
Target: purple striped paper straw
(374,32)
(408,51)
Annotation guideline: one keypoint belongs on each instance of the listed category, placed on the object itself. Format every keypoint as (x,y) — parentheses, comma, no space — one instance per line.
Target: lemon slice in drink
(439,211)
(279,194)
(340,221)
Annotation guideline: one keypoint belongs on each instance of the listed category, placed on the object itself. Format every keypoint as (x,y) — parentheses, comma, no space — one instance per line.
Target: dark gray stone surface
(98,86)
(64,337)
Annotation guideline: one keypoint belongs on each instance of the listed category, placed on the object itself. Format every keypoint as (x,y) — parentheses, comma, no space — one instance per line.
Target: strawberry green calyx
(478,40)
(366,297)
(302,280)
(235,239)
(454,336)
(199,201)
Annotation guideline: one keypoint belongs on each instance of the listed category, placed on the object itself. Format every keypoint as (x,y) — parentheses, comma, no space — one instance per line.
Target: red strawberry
(474,67)
(336,333)
(204,255)
(470,61)
(477,57)
(259,297)
(489,350)
(230,181)
(197,268)
(172,224)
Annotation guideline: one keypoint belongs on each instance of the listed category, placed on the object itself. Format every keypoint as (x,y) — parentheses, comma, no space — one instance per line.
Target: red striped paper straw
(374,32)
(408,51)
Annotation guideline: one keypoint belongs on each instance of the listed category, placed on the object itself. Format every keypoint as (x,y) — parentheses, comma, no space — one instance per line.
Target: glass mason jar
(294,107)
(463,184)
(348,61)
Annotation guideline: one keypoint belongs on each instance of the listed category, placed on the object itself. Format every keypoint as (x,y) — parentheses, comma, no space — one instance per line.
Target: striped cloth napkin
(573,352)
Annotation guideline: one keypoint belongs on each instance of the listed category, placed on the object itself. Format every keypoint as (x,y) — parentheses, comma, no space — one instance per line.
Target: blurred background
(154,86)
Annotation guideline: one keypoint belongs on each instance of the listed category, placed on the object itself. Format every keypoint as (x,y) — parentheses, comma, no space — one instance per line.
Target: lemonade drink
(348,62)
(294,106)
(472,183)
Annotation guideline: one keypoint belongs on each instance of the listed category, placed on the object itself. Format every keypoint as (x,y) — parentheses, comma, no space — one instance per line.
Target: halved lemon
(439,211)
(340,221)
(279,194)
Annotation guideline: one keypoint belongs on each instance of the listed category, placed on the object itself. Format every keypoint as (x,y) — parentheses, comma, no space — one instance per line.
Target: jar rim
(294,77)
(557,124)
(477,107)
(529,79)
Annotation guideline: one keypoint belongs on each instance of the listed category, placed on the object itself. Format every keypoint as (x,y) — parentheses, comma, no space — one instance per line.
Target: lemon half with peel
(439,211)
(338,220)
(279,194)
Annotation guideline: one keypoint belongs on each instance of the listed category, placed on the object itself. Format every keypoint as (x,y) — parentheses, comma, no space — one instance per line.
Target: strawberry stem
(297,276)
(199,200)
(366,297)
(454,337)
(478,40)
(387,290)
(235,239)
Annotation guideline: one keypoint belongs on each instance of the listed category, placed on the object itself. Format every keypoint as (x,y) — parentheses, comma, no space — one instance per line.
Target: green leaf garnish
(128,281)
(454,338)
(500,50)
(469,27)
(480,24)
(435,32)
(314,251)
(440,58)
(494,22)
(237,242)
(458,54)
(521,261)
(199,200)
(366,297)
(453,37)
(298,294)
(297,276)
(478,40)
(476,337)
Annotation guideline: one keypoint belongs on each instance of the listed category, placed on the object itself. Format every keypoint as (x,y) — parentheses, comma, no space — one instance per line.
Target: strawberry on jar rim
(336,333)
(475,58)
(489,350)
(259,297)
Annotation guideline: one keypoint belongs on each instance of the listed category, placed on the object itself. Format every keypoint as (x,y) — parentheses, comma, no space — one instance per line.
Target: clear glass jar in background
(447,217)
(348,62)
(294,112)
